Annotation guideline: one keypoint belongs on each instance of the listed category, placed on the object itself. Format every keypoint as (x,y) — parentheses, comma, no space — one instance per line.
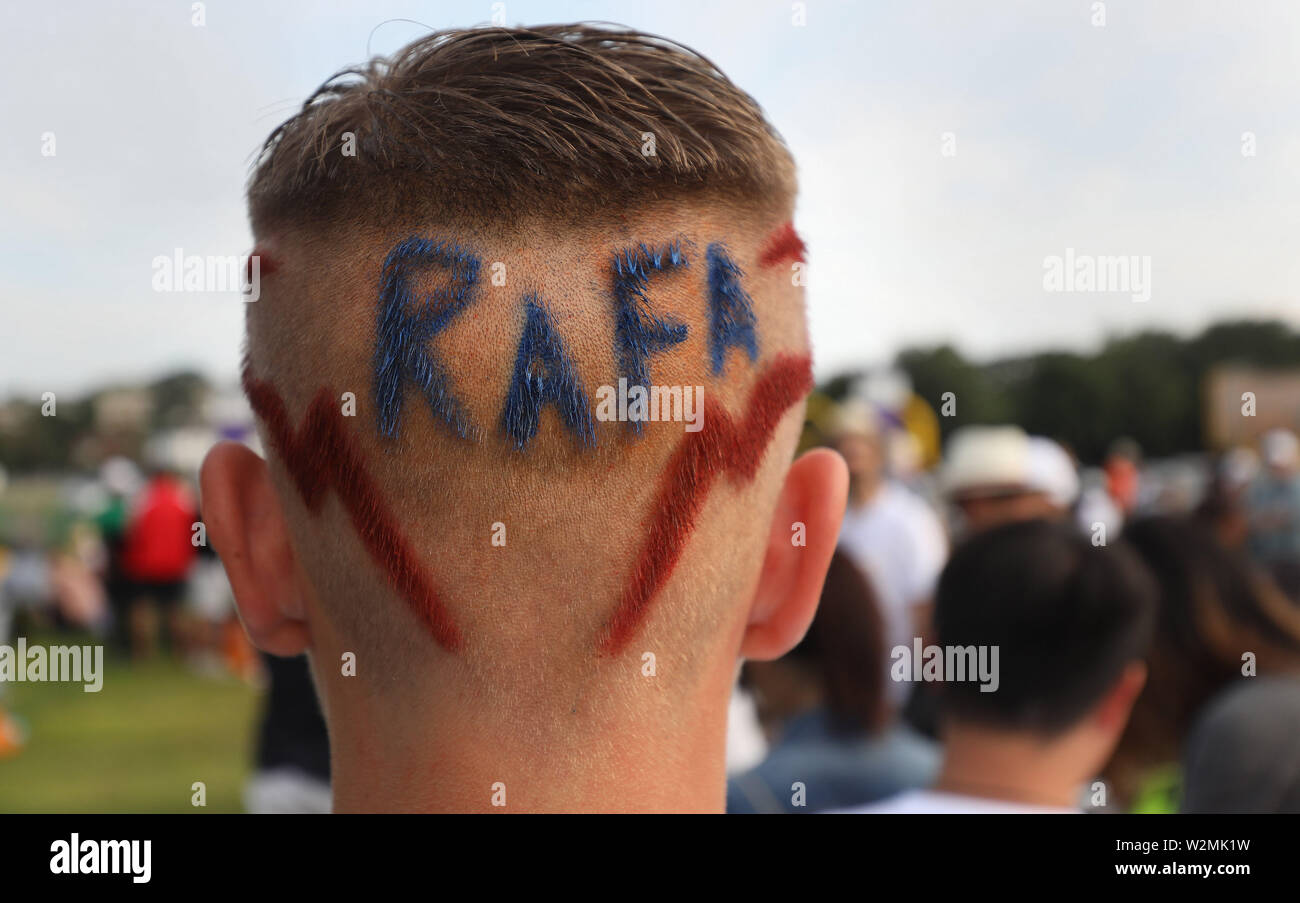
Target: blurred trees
(80,434)
(1147,386)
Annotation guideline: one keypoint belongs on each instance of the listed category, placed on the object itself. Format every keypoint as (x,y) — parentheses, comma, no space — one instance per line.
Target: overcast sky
(1124,139)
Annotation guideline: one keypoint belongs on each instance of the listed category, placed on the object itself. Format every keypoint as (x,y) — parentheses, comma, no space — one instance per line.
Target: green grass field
(138,745)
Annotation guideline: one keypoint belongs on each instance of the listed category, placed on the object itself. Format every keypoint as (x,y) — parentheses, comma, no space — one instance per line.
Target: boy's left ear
(809,509)
(247,528)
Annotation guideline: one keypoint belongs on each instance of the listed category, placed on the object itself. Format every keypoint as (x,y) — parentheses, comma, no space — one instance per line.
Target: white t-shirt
(899,543)
(933,802)
(746,745)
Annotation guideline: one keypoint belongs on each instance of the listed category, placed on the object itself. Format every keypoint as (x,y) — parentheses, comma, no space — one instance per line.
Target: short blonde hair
(496,124)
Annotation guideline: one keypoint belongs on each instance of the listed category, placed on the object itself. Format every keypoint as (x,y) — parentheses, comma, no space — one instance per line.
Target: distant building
(13,416)
(123,410)
(1233,391)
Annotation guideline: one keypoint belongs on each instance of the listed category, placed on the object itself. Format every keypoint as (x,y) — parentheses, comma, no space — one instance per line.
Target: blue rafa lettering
(731,320)
(544,374)
(638,332)
(407,324)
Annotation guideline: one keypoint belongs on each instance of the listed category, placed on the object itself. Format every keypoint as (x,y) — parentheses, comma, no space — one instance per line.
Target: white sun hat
(1052,472)
(987,461)
(1280,448)
(854,417)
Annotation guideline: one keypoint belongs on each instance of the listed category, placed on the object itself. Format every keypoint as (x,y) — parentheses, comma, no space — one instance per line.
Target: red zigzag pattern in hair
(320,455)
(723,446)
(785,244)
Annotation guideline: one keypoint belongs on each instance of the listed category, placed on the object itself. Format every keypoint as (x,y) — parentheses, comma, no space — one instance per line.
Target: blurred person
(157,553)
(1273,502)
(1243,752)
(1095,506)
(995,475)
(79,595)
(746,742)
(1123,471)
(889,531)
(217,643)
(120,480)
(1071,623)
(25,584)
(584,660)
(836,744)
(292,773)
(1224,503)
(1220,621)
(988,475)
(12,733)
(1051,471)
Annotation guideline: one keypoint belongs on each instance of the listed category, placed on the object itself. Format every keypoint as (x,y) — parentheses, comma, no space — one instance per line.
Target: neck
(448,753)
(1009,766)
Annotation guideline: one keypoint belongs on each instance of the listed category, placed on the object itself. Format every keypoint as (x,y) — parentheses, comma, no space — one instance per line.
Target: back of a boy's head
(471,239)
(1067,618)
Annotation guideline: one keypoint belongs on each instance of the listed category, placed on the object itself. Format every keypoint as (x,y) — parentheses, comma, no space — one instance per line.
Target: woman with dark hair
(1220,623)
(825,708)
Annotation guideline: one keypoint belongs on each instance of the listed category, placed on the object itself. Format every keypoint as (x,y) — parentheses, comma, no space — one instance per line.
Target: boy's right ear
(247,528)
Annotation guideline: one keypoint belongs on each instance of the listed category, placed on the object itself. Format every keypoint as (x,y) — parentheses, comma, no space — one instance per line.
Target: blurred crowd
(123,558)
(1147,615)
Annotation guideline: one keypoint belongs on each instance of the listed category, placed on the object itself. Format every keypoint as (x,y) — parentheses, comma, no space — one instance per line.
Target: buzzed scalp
(490,125)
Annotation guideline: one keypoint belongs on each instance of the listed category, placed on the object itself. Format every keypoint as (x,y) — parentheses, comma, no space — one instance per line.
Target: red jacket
(158,547)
